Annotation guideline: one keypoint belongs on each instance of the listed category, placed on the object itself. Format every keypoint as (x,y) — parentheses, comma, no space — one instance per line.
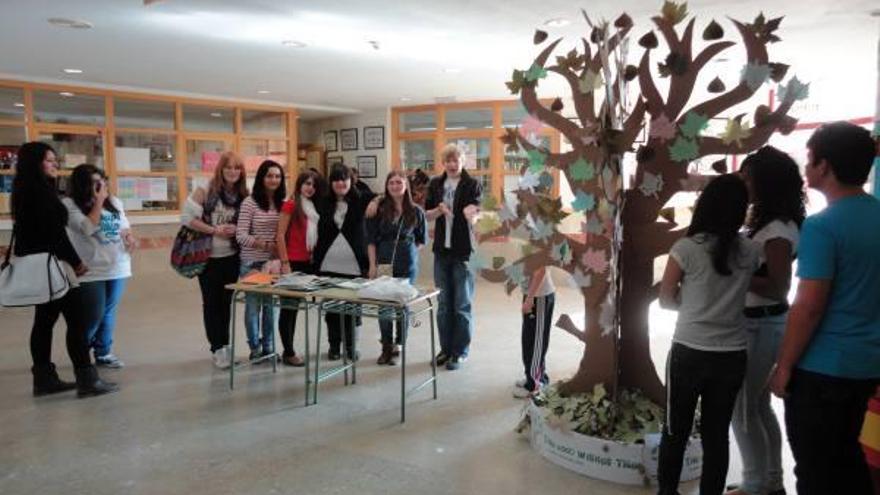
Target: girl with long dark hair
(214,210)
(256,234)
(102,236)
(341,250)
(39,227)
(706,280)
(776,192)
(297,237)
(395,235)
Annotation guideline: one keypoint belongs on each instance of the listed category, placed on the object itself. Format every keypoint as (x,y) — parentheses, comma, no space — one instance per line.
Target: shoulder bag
(34,279)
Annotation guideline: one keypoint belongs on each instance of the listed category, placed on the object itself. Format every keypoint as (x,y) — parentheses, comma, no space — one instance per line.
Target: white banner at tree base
(629,464)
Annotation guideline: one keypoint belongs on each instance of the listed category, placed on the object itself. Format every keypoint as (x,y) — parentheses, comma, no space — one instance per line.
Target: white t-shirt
(710,317)
(100,246)
(221,247)
(449,187)
(546,288)
(773,230)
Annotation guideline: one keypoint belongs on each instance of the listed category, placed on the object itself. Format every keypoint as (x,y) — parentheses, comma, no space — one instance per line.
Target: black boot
(46,381)
(89,384)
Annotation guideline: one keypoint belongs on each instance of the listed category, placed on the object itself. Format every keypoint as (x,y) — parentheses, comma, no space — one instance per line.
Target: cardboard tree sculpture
(612,259)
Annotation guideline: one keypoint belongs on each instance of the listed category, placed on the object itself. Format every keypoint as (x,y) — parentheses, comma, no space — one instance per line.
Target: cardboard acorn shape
(611,259)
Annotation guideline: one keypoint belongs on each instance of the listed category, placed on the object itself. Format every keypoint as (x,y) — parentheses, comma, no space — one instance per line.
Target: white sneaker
(221,358)
(521,383)
(522,393)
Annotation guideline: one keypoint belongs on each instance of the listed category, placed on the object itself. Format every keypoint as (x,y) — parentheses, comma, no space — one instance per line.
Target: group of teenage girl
(320,228)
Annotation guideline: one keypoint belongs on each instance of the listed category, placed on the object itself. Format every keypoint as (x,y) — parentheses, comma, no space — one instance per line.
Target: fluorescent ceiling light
(294,43)
(18,104)
(69,23)
(452,70)
(405,98)
(557,22)
(216,114)
(66,94)
(263,92)
(73,71)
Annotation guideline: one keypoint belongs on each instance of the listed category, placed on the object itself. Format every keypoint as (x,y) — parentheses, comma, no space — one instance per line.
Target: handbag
(34,279)
(190,251)
(387,269)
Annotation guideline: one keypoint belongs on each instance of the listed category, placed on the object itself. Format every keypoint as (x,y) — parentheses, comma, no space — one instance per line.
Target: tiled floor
(176,428)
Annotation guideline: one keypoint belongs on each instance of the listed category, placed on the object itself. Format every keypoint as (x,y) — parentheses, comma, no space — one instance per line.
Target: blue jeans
(254,312)
(100,300)
(454,318)
(754,422)
(386,324)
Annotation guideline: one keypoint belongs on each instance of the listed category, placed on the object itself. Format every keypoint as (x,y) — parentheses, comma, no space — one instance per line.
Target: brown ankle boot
(386,357)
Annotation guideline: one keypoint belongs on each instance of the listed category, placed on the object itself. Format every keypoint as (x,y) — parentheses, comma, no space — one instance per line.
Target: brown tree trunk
(599,362)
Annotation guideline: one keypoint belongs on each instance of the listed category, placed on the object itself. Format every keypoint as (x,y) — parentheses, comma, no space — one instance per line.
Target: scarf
(311,223)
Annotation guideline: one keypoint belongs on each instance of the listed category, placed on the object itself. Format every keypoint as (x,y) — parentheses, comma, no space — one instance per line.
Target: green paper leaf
(488,224)
(536,161)
(535,72)
(694,124)
(582,170)
(735,131)
(497,262)
(683,149)
(590,82)
(489,202)
(755,75)
(517,82)
(584,202)
(795,90)
(562,253)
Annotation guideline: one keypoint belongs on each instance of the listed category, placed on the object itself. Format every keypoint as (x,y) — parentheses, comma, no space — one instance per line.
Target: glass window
(10,139)
(147,193)
(475,152)
(76,149)
(145,152)
(143,114)
(11,104)
(515,157)
(513,116)
(477,118)
(418,154)
(202,155)
(263,122)
(5,194)
(255,151)
(418,121)
(68,108)
(485,181)
(208,118)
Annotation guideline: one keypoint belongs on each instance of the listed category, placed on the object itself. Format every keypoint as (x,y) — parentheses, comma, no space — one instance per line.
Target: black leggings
(287,318)
(45,317)
(713,377)
(216,299)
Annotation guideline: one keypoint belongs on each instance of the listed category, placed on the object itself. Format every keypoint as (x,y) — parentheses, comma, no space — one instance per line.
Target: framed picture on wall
(349,139)
(374,137)
(333,160)
(366,166)
(331,142)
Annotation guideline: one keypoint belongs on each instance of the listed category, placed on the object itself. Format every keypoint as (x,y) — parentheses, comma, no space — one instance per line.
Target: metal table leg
(307,354)
(433,350)
(232,321)
(317,355)
(404,334)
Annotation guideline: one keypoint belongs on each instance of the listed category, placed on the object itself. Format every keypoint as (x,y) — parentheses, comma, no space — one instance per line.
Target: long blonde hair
(240,187)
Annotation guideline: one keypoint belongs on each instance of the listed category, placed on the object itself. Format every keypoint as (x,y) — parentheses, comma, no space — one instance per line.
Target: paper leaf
(489,202)
(515,273)
(662,128)
(557,105)
(630,73)
(542,230)
(507,214)
(530,125)
(595,260)
(755,75)
(713,31)
(651,184)
(720,166)
(535,72)
(497,262)
(590,82)
(674,12)
(716,86)
(694,124)
(795,90)
(623,22)
(527,249)
(645,154)
(683,149)
(571,61)
(529,181)
(583,202)
(487,224)
(581,281)
(516,82)
(509,138)
(562,253)
(539,37)
(582,170)
(735,131)
(594,226)
(778,71)
(545,180)
(649,40)
(536,161)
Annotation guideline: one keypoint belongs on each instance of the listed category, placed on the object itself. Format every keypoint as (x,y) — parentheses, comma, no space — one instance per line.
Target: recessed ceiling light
(557,22)
(374,44)
(18,104)
(73,71)
(69,23)
(451,70)
(66,94)
(294,43)
(263,92)
(405,98)
(216,114)
(444,99)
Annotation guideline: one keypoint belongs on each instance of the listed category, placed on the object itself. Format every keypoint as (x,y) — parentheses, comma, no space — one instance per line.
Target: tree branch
(758,136)
(655,104)
(583,105)
(565,322)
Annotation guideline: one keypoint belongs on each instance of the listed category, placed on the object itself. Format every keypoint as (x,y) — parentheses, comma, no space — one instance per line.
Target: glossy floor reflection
(176,428)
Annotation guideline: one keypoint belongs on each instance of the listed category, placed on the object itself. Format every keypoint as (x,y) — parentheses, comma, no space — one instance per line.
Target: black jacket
(40,228)
(469,192)
(353,229)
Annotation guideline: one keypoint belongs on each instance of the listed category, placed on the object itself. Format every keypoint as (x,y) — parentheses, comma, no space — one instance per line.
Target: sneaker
(395,351)
(455,363)
(108,361)
(441,359)
(255,354)
(524,393)
(221,358)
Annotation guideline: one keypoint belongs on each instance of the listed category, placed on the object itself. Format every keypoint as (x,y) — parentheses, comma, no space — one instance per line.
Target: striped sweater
(255,225)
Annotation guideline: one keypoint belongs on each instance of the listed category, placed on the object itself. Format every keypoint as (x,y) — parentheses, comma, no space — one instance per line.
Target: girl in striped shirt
(255,233)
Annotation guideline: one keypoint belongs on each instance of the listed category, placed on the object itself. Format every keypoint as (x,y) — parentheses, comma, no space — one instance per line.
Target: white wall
(313,133)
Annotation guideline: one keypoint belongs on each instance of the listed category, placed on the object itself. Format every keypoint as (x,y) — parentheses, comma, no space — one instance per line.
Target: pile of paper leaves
(597,415)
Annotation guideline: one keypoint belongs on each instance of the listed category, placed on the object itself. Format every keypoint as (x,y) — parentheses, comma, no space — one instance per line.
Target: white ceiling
(232,49)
